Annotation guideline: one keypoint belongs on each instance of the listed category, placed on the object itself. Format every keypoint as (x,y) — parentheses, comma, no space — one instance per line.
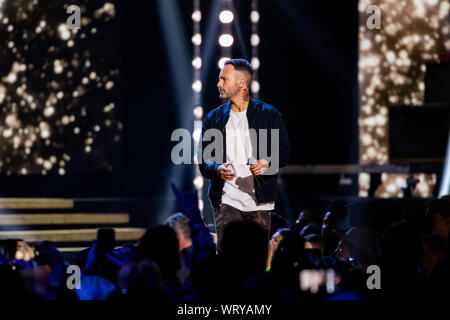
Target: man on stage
(243,184)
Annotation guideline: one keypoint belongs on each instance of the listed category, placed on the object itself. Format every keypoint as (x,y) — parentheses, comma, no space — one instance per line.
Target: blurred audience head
(180,223)
(140,280)
(330,221)
(310,228)
(160,244)
(314,243)
(245,245)
(305,216)
(356,244)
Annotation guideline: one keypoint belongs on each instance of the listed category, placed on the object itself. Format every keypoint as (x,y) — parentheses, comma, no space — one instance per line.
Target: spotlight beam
(210,42)
(445,182)
(179,62)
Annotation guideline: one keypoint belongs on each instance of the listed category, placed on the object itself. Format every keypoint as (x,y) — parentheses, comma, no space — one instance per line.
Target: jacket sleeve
(284,141)
(207,167)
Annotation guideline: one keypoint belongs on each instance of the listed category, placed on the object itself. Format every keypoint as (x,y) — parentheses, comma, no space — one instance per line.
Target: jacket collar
(227,109)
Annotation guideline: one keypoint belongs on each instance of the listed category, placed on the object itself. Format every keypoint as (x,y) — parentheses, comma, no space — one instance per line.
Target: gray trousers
(226,214)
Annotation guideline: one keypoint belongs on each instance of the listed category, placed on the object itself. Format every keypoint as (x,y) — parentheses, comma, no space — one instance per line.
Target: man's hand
(259,167)
(224,173)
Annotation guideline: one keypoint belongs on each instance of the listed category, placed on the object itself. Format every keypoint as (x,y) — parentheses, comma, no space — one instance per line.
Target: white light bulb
(254,16)
(226,16)
(255,63)
(196,16)
(197,86)
(254,40)
(255,86)
(198,112)
(198,182)
(197,39)
(197,63)
(226,40)
(222,61)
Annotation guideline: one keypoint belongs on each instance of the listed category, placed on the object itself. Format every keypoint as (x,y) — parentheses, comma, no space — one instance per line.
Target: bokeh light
(391,70)
(54,85)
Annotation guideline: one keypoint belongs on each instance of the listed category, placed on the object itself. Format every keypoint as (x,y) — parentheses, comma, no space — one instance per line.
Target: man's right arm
(207,167)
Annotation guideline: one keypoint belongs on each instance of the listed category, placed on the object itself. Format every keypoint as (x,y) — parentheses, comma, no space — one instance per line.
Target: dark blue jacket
(260,116)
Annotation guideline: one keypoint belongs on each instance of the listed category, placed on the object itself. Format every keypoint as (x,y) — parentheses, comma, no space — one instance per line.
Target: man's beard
(225,96)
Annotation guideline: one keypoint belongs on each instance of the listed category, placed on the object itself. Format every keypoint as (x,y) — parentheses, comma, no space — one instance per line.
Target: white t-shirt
(239,192)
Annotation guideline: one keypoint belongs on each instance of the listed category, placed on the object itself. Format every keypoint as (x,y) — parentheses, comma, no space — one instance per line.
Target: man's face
(227,85)
(342,250)
(329,222)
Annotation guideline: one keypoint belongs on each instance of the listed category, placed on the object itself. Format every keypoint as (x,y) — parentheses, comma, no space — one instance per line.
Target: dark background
(308,54)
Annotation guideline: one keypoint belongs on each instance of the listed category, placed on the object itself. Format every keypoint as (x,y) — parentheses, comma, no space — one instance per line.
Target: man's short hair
(242,65)
(180,223)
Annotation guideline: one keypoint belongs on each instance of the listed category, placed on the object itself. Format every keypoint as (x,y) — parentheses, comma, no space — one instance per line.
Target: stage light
(197,39)
(255,86)
(197,86)
(196,134)
(254,40)
(198,112)
(197,16)
(197,63)
(198,182)
(64,33)
(197,101)
(222,61)
(226,16)
(255,63)
(226,40)
(254,16)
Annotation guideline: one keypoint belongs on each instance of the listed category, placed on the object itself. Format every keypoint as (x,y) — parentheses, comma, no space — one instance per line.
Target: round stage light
(254,40)
(198,112)
(222,61)
(197,86)
(255,86)
(198,182)
(255,63)
(197,39)
(226,16)
(226,40)
(254,16)
(197,16)
(197,62)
